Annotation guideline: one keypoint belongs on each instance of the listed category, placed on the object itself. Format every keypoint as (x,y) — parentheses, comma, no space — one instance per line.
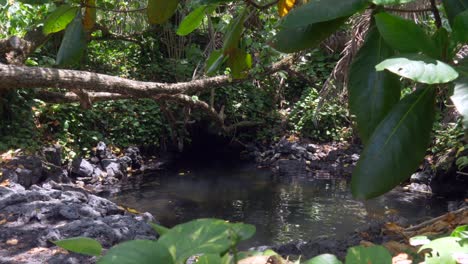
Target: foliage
(215,241)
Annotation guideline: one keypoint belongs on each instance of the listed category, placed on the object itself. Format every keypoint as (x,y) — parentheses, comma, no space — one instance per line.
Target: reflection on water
(282,209)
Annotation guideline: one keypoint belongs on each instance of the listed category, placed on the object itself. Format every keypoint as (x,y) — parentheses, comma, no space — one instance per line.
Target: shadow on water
(282,209)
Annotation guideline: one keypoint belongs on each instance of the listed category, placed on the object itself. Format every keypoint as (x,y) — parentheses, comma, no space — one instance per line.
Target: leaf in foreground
(137,251)
(397,145)
(460,98)
(368,255)
(82,245)
(419,68)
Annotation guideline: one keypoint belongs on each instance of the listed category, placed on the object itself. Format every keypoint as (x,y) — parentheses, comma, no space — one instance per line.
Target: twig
(436,14)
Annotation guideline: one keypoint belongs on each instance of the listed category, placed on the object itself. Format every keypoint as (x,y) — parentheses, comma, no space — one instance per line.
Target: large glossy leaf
(324,259)
(442,43)
(159,11)
(210,259)
(404,35)
(391,2)
(243,231)
(161,230)
(239,61)
(201,236)
(73,43)
(443,250)
(460,27)
(396,147)
(322,10)
(137,251)
(215,61)
(300,38)
(419,68)
(59,19)
(234,33)
(453,8)
(368,255)
(460,98)
(372,94)
(460,232)
(192,21)
(82,245)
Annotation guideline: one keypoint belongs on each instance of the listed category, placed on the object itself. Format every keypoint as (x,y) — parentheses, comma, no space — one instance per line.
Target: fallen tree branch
(20,77)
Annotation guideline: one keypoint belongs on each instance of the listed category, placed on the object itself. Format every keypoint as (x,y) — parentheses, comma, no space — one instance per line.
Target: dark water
(283,210)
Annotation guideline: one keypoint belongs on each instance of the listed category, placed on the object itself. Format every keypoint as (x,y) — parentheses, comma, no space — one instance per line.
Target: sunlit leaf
(159,11)
(239,61)
(320,11)
(419,68)
(397,145)
(324,259)
(443,250)
(192,21)
(59,19)
(372,94)
(201,236)
(234,33)
(137,251)
(460,98)
(215,61)
(82,245)
(368,255)
(284,6)
(460,232)
(419,240)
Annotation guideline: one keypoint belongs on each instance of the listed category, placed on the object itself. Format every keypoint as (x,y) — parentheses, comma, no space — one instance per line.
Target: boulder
(25,170)
(82,168)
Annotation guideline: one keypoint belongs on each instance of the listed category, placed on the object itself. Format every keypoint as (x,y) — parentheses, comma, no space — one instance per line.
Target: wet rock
(419,187)
(103,152)
(42,214)
(114,168)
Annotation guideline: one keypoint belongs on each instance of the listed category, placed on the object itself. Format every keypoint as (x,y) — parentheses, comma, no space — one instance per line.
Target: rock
(311,147)
(419,187)
(134,154)
(37,216)
(421,177)
(25,170)
(53,155)
(82,168)
(114,168)
(103,152)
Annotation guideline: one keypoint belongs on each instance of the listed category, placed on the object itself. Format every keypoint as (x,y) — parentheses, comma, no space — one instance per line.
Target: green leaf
(460,27)
(397,145)
(453,8)
(82,245)
(239,61)
(234,33)
(391,2)
(320,11)
(324,259)
(59,19)
(192,21)
(209,259)
(243,231)
(404,35)
(372,94)
(137,251)
(215,61)
(460,98)
(207,2)
(201,236)
(419,240)
(368,255)
(419,68)
(443,249)
(161,230)
(441,42)
(73,43)
(295,39)
(159,11)
(460,232)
